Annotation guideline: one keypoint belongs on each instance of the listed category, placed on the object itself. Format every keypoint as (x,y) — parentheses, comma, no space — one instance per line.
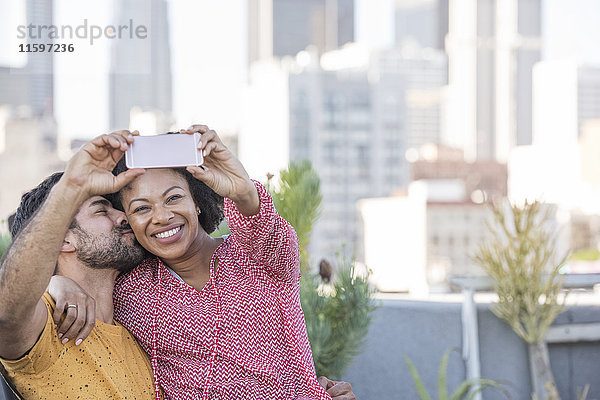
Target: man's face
(102,237)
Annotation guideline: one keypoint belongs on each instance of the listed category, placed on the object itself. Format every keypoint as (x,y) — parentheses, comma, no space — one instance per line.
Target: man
(78,233)
(97,246)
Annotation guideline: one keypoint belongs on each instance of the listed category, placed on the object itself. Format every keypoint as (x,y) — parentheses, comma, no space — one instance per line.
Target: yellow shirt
(109,364)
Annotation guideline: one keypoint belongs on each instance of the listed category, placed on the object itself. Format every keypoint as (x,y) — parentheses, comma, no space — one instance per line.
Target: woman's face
(162,213)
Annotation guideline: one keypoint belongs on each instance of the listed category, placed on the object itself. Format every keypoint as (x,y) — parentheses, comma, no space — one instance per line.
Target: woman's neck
(194,266)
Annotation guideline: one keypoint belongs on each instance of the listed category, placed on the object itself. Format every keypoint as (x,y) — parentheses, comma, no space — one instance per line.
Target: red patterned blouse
(243,335)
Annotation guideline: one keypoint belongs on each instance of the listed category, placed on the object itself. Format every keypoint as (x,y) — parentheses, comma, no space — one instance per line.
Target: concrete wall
(424,330)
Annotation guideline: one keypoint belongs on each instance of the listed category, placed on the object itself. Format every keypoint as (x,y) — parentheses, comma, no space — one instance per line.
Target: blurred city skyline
(412,112)
(208,42)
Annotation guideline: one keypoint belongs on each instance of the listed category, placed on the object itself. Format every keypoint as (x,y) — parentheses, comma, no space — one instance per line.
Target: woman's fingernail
(60,335)
(65,340)
(78,342)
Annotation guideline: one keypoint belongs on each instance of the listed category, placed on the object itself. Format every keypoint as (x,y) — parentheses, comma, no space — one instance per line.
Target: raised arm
(31,259)
(265,236)
(27,268)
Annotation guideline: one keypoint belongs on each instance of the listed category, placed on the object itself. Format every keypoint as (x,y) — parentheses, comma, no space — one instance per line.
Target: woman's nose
(161,215)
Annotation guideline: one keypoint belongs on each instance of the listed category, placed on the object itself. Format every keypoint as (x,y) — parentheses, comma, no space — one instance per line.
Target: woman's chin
(172,253)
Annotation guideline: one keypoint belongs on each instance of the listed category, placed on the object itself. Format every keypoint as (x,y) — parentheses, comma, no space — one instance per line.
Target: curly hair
(210,203)
(31,202)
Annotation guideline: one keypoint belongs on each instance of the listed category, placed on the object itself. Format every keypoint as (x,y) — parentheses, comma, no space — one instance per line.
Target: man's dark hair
(11,220)
(31,202)
(209,202)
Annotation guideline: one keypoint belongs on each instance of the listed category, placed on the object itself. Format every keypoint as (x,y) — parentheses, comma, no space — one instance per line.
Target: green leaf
(461,391)
(482,384)
(466,388)
(471,387)
(442,389)
(417,380)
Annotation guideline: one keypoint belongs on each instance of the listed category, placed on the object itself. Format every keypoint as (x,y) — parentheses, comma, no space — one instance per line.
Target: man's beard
(109,251)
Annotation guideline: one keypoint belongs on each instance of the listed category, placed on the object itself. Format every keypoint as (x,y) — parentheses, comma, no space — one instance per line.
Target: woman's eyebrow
(171,188)
(140,199)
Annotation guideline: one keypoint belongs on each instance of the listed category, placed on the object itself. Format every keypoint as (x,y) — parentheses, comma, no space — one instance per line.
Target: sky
(571,30)
(208,45)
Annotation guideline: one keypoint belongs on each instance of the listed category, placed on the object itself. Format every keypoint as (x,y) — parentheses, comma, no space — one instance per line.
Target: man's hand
(90,169)
(337,390)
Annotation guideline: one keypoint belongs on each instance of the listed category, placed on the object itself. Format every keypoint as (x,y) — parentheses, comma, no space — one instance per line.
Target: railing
(566,333)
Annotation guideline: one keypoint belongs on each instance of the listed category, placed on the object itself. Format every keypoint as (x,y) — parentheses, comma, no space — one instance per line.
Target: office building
(140,67)
(353,116)
(482,179)
(424,22)
(437,229)
(285,27)
(492,46)
(32,86)
(28,154)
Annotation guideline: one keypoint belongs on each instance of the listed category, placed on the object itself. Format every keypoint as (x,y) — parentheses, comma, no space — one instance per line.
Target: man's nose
(120,218)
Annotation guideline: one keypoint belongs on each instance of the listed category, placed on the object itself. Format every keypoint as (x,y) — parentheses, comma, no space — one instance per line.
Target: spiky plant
(338,321)
(521,258)
(337,318)
(466,390)
(297,199)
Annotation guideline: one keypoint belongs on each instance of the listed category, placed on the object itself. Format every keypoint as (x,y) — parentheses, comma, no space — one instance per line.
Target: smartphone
(163,151)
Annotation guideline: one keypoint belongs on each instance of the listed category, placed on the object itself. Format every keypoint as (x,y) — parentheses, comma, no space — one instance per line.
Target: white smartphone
(163,151)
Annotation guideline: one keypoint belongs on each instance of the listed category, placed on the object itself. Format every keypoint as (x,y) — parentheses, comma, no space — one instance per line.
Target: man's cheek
(129,238)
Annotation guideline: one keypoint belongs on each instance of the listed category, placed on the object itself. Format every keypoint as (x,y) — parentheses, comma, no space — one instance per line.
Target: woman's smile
(162,213)
(168,235)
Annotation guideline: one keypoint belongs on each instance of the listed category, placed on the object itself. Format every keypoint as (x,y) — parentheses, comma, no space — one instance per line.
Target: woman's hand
(337,390)
(223,172)
(75,305)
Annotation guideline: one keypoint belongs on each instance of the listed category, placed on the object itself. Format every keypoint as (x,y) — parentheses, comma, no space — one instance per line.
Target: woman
(220,317)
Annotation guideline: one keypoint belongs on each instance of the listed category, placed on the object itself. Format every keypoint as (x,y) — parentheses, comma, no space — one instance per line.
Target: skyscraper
(354,122)
(424,71)
(422,21)
(140,67)
(285,27)
(40,65)
(352,132)
(492,47)
(15,86)
(33,84)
